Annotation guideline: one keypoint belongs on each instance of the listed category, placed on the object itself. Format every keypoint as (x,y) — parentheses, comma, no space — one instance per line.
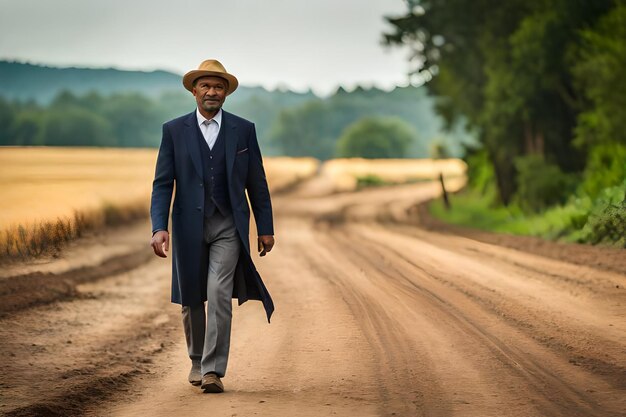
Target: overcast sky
(294,43)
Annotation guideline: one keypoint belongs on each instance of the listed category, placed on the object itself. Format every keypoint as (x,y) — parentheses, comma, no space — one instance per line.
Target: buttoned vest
(214,175)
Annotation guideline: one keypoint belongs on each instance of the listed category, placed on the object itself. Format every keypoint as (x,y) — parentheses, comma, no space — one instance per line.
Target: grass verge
(373,180)
(581,219)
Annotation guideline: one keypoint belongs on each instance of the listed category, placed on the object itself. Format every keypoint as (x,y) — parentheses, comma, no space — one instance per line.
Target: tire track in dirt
(596,281)
(21,292)
(537,378)
(407,323)
(395,366)
(587,342)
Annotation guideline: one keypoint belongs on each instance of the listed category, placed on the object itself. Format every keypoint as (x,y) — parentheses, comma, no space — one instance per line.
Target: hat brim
(193,75)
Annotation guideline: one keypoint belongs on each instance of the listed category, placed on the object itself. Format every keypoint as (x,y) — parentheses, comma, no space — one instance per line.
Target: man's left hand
(266,243)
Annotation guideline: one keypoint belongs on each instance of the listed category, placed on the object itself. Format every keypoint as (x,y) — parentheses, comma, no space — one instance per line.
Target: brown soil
(375,315)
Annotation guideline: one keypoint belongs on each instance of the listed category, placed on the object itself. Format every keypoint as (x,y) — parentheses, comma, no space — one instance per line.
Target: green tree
(65,100)
(506,66)
(376,137)
(541,183)
(599,72)
(606,167)
(26,129)
(7,116)
(134,120)
(439,149)
(304,131)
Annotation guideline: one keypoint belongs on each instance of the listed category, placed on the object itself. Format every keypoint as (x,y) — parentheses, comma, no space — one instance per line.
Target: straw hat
(210,67)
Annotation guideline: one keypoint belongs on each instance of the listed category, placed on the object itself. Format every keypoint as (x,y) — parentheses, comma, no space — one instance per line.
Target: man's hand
(161,243)
(266,243)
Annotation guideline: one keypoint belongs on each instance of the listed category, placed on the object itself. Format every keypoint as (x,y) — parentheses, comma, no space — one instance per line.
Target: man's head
(210,92)
(210,68)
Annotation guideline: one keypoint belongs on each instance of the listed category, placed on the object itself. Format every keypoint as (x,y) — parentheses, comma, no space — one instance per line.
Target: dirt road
(374,317)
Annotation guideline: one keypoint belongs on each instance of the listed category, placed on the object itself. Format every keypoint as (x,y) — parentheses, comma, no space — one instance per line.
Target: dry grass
(283,172)
(48,183)
(47,237)
(345,173)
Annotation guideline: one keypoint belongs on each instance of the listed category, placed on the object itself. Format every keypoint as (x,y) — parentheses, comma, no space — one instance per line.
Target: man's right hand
(161,243)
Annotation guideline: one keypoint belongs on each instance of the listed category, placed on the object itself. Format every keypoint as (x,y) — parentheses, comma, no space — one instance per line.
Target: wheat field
(46,183)
(344,174)
(42,183)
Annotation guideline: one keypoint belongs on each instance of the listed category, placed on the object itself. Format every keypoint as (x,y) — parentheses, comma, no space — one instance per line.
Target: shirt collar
(217,118)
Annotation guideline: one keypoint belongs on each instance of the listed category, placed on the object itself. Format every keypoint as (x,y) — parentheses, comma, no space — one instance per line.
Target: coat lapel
(191,139)
(230,136)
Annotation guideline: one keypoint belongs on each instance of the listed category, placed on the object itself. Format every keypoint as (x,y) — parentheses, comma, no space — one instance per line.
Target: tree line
(368,123)
(118,120)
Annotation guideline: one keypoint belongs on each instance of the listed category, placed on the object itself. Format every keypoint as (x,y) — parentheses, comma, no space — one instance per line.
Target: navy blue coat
(179,166)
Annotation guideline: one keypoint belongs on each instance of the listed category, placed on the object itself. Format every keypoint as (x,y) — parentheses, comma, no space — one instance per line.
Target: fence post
(446,201)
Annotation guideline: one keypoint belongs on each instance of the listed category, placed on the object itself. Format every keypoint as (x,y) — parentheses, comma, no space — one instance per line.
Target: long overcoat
(179,172)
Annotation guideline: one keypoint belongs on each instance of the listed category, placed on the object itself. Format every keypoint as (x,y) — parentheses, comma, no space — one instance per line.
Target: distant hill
(42,83)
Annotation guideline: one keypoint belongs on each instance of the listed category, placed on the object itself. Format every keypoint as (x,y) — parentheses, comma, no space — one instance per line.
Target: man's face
(210,93)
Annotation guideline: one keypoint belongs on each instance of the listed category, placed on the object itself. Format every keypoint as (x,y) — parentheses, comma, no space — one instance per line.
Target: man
(212,157)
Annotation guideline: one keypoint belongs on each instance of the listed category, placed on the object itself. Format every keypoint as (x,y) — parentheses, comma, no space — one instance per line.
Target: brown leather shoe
(195,376)
(212,383)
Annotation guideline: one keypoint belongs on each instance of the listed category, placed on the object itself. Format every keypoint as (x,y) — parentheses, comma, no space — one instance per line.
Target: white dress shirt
(210,128)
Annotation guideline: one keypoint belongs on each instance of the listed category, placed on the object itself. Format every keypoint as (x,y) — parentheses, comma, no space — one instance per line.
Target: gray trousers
(208,333)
